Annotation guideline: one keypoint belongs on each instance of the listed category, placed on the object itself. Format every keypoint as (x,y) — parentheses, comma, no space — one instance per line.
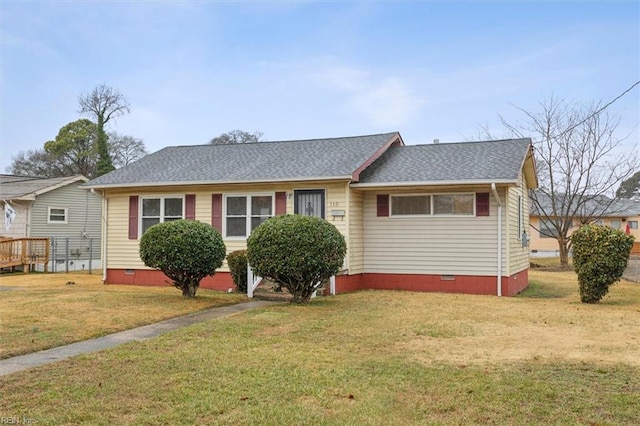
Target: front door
(309,202)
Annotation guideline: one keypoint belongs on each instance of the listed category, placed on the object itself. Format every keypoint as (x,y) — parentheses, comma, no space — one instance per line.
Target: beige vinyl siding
(355,252)
(518,256)
(447,245)
(122,253)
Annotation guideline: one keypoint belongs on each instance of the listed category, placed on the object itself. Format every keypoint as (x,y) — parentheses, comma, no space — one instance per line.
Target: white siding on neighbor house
(447,245)
(83,216)
(517,254)
(122,253)
(19,226)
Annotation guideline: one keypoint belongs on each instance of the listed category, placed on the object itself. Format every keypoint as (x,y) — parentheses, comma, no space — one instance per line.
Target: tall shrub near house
(298,252)
(186,251)
(600,256)
(237,261)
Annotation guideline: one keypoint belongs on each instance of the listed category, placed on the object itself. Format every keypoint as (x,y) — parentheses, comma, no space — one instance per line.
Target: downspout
(499,274)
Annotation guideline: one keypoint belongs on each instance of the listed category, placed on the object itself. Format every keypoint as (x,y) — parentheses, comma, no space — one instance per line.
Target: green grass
(44,311)
(372,358)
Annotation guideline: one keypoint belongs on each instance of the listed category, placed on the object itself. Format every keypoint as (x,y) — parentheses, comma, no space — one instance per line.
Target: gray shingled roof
(16,187)
(590,206)
(450,162)
(252,162)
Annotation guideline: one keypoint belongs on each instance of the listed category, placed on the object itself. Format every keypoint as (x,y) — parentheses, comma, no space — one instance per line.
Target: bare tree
(580,163)
(38,163)
(237,136)
(125,149)
(103,103)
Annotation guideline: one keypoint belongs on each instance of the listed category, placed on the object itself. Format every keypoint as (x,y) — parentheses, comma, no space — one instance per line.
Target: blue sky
(296,70)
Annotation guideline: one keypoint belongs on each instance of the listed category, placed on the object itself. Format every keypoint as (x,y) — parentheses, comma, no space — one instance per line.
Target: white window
(244,213)
(615,223)
(160,209)
(453,204)
(410,205)
(57,215)
(432,205)
(633,224)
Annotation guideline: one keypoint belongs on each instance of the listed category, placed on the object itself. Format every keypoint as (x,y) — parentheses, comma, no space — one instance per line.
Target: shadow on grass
(541,290)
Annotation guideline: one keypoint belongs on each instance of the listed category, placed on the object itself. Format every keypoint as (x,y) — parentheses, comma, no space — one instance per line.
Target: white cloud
(384,101)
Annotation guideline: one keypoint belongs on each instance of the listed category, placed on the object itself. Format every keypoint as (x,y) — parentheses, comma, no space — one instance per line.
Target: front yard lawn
(46,310)
(372,357)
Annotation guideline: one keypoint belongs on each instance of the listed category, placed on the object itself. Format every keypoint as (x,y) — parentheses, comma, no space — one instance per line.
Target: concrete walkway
(23,362)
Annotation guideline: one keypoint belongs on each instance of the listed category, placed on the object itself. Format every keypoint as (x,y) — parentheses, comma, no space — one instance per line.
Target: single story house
(57,208)
(619,213)
(440,217)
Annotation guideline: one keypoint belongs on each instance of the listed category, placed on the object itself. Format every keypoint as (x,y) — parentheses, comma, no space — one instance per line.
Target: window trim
(432,205)
(404,216)
(635,222)
(58,222)
(248,215)
(162,197)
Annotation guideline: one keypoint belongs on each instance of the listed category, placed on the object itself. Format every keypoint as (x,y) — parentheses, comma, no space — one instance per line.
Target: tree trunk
(563,244)
(189,290)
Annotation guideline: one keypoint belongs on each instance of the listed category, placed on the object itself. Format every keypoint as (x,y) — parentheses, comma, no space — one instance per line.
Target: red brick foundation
(469,284)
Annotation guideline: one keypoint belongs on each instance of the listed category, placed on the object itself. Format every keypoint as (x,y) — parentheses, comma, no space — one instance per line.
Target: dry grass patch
(373,357)
(47,310)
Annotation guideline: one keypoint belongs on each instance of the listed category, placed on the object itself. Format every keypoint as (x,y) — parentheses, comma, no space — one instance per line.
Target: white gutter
(433,183)
(499,275)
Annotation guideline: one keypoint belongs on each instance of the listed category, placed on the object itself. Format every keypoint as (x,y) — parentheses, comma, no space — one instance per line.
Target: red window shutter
(482,204)
(216,211)
(133,217)
(281,203)
(383,205)
(190,207)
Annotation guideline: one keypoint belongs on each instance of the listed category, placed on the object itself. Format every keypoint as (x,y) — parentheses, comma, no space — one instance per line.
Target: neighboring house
(438,217)
(57,208)
(621,213)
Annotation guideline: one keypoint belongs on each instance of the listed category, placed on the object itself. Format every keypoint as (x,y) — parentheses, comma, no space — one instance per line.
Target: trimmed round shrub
(600,256)
(298,252)
(185,250)
(237,261)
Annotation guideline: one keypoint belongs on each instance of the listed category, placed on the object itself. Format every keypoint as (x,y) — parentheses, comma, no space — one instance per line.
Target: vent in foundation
(447,277)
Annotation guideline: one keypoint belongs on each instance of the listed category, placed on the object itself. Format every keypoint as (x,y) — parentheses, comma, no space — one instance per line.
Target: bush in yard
(600,256)
(237,261)
(185,250)
(298,252)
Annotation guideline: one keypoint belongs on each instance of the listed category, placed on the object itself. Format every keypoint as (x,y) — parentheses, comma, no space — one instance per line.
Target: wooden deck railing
(24,252)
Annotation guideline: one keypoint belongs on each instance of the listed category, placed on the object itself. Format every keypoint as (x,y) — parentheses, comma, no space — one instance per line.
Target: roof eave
(230,182)
(435,183)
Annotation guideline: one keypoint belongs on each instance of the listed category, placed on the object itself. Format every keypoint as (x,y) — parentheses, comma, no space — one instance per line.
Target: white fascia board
(215,182)
(434,183)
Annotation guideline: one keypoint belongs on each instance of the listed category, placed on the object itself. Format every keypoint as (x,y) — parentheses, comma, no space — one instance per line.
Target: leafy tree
(237,136)
(237,261)
(186,251)
(580,163)
(75,146)
(600,256)
(125,149)
(298,252)
(630,188)
(103,103)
